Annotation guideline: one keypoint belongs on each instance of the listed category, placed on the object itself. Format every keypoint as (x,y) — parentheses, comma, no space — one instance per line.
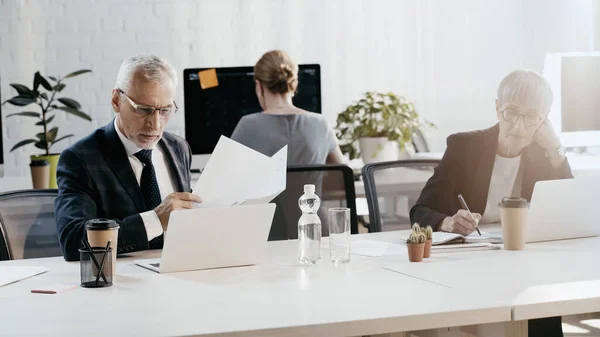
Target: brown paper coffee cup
(513,215)
(99,231)
(40,174)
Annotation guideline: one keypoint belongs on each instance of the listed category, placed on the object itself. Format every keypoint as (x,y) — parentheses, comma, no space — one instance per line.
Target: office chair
(419,142)
(392,188)
(27,225)
(334,185)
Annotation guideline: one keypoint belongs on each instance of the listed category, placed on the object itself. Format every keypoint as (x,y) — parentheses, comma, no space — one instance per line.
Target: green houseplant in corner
(47,106)
(383,125)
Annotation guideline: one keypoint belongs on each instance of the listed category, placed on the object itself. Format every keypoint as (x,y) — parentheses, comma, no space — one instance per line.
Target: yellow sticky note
(208,78)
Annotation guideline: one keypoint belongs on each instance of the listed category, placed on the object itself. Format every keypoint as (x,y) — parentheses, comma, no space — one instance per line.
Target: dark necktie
(150,190)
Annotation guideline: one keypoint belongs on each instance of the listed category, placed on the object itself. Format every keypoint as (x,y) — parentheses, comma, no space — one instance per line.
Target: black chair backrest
(334,184)
(388,174)
(27,225)
(419,142)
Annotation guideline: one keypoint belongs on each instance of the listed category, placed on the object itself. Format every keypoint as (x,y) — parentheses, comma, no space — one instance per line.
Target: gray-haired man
(130,170)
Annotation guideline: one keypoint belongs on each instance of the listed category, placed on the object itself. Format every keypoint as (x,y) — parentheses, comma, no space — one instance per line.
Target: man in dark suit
(504,160)
(129,170)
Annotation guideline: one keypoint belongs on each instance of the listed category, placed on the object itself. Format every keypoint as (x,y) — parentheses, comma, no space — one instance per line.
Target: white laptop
(206,238)
(564,209)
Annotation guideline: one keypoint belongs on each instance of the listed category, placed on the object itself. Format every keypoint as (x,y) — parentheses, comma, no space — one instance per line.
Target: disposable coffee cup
(513,215)
(40,174)
(99,231)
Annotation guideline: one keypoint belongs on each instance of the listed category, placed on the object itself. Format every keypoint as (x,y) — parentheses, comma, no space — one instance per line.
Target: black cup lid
(513,202)
(37,163)
(100,224)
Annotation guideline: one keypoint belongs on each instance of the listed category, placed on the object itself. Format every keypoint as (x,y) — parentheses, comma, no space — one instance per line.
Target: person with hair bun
(310,140)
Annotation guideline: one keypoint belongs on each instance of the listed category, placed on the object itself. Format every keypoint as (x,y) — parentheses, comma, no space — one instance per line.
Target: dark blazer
(466,169)
(95,180)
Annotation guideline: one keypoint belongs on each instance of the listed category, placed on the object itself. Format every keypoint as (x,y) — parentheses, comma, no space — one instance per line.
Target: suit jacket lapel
(114,152)
(171,152)
(486,155)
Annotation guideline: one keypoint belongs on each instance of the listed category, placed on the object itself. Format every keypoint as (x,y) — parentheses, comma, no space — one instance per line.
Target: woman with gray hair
(505,160)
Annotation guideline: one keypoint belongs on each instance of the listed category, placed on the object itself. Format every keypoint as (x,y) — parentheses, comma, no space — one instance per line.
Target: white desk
(280,298)
(277,298)
(546,279)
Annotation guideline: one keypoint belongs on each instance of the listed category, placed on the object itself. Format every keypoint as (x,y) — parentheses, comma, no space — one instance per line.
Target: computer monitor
(1,141)
(216,109)
(575,82)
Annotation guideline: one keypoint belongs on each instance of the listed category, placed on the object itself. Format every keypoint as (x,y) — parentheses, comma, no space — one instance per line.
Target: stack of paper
(238,175)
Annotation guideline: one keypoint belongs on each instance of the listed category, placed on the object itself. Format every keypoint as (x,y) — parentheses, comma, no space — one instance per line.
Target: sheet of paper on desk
(236,174)
(11,274)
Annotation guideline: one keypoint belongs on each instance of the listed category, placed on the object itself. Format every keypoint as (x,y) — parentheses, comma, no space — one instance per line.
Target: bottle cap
(309,188)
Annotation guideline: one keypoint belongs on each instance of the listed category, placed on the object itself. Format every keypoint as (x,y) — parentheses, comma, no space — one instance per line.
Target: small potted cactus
(416,244)
(428,240)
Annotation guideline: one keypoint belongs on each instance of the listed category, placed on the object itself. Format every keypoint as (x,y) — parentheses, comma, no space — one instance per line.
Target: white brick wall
(447,56)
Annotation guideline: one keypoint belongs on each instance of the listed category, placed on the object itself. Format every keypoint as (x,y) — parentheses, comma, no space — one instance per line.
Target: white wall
(446,56)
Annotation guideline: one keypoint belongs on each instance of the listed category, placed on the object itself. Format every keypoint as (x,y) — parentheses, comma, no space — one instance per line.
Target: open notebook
(440,238)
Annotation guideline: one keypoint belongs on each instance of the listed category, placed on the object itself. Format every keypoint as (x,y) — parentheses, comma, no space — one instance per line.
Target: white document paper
(238,175)
(12,274)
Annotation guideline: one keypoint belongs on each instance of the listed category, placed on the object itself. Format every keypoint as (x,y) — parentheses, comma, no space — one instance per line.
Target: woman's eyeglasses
(529,119)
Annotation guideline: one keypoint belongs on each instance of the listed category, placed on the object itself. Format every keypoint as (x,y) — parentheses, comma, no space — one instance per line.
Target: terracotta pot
(427,249)
(415,251)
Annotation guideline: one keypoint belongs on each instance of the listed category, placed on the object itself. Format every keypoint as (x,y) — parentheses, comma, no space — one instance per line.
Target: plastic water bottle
(309,227)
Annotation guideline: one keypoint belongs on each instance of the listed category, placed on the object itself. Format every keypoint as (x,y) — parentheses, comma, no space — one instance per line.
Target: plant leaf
(36,80)
(59,87)
(71,103)
(20,100)
(44,96)
(22,143)
(26,113)
(53,78)
(40,144)
(41,136)
(78,72)
(75,112)
(48,120)
(52,134)
(61,138)
(22,90)
(39,79)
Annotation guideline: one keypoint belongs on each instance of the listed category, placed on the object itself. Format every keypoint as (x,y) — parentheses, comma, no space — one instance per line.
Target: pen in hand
(464,205)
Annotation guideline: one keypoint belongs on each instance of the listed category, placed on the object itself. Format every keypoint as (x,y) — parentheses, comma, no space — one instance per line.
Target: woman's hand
(463,222)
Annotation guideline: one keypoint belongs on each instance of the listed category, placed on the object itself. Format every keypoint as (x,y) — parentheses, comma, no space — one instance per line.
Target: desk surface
(546,279)
(281,298)
(276,298)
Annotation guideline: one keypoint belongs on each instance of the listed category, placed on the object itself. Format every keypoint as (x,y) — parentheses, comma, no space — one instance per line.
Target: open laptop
(208,238)
(564,209)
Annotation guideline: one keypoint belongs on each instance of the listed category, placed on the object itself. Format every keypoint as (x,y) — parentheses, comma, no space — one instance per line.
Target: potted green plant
(416,244)
(47,106)
(383,125)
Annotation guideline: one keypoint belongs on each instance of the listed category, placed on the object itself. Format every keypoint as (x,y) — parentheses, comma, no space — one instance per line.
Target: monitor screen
(1,137)
(580,88)
(215,110)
